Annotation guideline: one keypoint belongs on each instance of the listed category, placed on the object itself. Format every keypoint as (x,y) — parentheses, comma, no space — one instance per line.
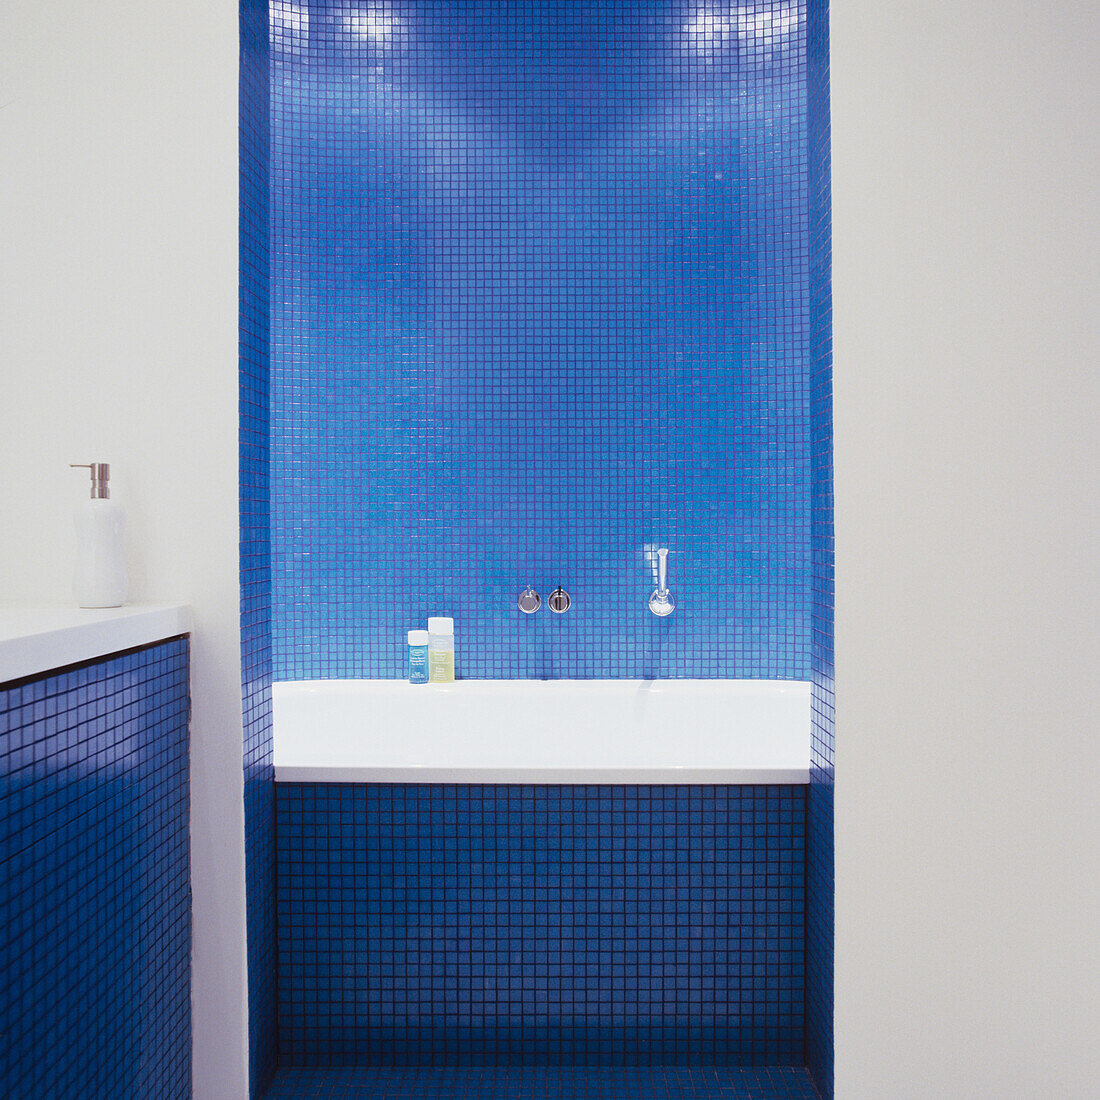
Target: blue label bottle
(418,656)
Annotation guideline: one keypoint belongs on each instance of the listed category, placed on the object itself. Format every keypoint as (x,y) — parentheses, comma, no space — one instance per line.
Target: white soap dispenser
(100,578)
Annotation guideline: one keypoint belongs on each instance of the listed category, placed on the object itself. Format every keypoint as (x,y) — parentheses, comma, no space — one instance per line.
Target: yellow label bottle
(441,650)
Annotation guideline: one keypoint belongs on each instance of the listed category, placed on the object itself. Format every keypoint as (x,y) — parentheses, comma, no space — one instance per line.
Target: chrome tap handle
(662,570)
(558,600)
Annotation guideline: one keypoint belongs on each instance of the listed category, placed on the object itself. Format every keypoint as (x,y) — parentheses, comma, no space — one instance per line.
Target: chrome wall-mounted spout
(661,602)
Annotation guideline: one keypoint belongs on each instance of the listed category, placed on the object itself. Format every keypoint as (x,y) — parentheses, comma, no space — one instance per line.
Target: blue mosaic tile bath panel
(466,925)
(538,1083)
(819,797)
(95,917)
(539,307)
(255,541)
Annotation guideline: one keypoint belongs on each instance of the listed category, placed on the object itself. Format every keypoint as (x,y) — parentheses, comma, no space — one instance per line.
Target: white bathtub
(542,731)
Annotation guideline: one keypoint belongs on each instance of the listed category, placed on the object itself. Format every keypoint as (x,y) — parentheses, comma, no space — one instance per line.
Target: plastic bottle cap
(441,625)
(418,637)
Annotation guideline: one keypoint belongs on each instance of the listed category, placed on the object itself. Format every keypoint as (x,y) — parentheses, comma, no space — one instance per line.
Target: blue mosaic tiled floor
(542,1083)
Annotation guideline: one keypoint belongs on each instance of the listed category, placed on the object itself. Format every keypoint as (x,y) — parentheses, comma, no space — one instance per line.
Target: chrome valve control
(529,601)
(558,600)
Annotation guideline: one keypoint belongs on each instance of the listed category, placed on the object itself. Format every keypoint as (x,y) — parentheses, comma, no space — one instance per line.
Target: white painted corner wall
(965,156)
(118,318)
(965,162)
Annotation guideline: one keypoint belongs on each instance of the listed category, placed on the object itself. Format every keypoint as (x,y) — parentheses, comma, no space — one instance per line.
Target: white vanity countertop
(36,639)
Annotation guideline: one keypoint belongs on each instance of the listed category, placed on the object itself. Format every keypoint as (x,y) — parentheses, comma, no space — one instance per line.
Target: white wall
(966,244)
(965,282)
(118,212)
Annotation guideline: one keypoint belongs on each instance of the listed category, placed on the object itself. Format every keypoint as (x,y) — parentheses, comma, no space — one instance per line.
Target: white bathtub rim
(576,732)
(546,777)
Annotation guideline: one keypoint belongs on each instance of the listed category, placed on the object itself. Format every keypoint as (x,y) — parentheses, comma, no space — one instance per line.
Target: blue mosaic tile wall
(819,843)
(512,925)
(539,306)
(95,910)
(255,542)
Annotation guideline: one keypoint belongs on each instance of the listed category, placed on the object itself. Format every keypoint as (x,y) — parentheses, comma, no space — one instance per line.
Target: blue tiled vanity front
(95,923)
(540,925)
